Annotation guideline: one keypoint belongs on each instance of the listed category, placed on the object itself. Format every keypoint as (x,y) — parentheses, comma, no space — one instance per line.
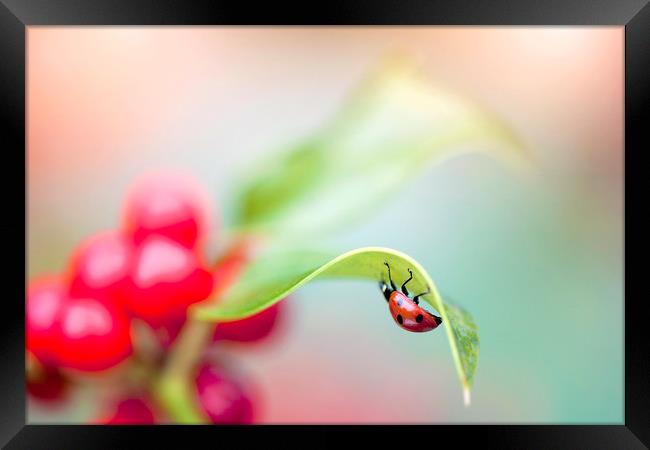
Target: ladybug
(407,312)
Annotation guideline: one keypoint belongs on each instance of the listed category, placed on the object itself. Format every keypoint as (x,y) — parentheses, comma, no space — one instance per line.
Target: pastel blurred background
(537,259)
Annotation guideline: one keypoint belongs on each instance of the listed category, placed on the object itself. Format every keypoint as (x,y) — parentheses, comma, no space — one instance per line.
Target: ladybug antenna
(404,290)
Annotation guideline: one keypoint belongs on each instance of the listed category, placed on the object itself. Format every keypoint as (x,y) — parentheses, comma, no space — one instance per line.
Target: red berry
(131,411)
(101,265)
(167,204)
(95,335)
(222,398)
(228,269)
(252,328)
(78,333)
(45,300)
(47,385)
(166,278)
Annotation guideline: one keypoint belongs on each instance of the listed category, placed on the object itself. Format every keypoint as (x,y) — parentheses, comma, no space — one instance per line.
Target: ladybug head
(386,290)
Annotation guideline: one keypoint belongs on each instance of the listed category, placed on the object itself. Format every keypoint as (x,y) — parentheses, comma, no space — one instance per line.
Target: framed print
(255,222)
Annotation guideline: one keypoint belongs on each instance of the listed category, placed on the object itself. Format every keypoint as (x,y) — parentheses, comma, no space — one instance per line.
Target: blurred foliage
(394,126)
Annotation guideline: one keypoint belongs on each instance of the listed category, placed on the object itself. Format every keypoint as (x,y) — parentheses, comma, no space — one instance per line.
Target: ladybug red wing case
(410,316)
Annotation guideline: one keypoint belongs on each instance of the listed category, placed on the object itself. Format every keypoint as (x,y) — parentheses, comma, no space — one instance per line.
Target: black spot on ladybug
(399,319)
(419,318)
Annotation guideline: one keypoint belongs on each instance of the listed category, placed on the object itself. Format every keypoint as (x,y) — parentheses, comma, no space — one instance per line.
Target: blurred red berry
(45,300)
(47,385)
(222,398)
(101,266)
(131,411)
(166,278)
(77,333)
(95,335)
(228,269)
(167,204)
(254,328)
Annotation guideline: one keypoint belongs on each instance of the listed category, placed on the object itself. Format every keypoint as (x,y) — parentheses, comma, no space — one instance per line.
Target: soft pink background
(106,104)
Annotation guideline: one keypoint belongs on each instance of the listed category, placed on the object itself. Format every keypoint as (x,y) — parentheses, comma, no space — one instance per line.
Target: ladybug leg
(416,299)
(392,285)
(385,290)
(404,290)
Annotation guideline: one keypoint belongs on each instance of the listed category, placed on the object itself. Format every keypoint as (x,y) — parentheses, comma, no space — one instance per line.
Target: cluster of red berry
(151,269)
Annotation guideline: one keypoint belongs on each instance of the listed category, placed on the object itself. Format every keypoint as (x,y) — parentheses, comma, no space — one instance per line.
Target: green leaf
(394,126)
(277,273)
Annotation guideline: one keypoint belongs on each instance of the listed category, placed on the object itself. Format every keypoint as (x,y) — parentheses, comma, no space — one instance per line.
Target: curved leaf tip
(276,274)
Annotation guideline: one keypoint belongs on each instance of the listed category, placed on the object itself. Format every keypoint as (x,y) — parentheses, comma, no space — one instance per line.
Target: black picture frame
(16,15)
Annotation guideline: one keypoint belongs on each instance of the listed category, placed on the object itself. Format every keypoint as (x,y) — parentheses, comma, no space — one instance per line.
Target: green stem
(175,389)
